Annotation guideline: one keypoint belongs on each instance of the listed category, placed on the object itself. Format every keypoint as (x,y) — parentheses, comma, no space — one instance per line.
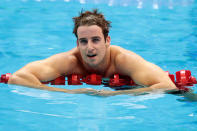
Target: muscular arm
(34,73)
(144,73)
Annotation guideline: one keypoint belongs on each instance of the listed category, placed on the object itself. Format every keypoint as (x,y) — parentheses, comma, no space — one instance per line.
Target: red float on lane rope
(5,77)
(183,78)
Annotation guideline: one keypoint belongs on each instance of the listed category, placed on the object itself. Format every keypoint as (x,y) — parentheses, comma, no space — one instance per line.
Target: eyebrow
(91,38)
(96,37)
(82,39)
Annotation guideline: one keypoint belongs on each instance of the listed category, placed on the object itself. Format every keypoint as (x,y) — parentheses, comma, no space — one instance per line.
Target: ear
(108,41)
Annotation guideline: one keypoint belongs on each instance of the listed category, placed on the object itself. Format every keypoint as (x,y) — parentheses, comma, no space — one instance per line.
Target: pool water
(162,32)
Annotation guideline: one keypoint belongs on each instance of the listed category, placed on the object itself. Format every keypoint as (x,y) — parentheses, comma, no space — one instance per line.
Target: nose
(90,46)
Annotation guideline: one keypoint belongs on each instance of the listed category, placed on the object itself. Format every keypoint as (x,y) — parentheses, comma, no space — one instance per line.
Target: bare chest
(105,73)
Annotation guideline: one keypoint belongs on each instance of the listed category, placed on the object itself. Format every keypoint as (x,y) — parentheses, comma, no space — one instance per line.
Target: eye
(95,40)
(83,41)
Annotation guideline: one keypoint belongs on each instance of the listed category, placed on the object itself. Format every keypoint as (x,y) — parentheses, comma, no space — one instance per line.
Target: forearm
(125,92)
(139,91)
(31,81)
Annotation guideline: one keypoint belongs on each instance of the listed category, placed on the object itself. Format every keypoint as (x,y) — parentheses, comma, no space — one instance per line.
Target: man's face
(92,45)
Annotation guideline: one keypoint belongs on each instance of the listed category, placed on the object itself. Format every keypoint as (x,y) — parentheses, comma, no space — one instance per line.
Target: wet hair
(91,18)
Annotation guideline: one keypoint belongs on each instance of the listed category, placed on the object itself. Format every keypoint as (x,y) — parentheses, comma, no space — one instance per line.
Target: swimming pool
(163,32)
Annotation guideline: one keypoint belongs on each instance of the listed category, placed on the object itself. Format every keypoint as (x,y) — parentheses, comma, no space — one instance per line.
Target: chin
(92,64)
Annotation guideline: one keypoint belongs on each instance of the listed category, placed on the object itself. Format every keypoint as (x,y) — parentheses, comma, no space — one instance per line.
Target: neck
(100,68)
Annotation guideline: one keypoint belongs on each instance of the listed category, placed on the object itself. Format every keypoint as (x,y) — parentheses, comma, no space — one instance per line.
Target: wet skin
(94,54)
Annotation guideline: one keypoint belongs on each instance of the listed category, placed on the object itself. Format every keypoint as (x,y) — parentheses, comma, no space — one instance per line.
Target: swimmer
(94,54)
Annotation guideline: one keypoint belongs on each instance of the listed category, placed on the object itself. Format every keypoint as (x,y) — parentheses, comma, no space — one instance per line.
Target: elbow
(14,79)
(18,78)
(170,86)
(24,79)
(165,86)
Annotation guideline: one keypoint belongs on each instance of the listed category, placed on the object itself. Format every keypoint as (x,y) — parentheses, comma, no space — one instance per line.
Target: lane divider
(183,80)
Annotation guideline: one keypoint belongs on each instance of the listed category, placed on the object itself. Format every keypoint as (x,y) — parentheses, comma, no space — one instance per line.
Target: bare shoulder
(63,61)
(133,65)
(119,50)
(70,55)
(127,62)
(120,54)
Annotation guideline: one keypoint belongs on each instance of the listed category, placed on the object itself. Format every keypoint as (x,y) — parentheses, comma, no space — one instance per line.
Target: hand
(104,93)
(83,91)
(92,92)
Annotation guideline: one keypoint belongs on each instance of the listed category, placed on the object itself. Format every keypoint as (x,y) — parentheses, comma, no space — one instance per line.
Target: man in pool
(94,54)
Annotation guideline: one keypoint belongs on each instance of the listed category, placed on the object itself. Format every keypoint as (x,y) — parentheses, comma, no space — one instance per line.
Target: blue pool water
(164,32)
